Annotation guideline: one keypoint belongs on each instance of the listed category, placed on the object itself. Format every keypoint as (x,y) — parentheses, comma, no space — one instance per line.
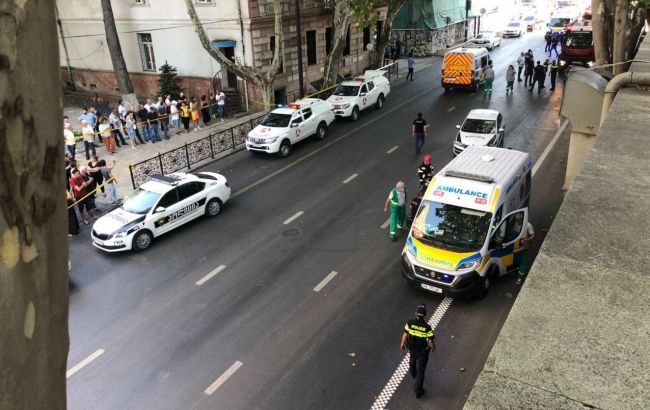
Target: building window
(366,37)
(346,50)
(272,48)
(328,40)
(311,47)
(146,52)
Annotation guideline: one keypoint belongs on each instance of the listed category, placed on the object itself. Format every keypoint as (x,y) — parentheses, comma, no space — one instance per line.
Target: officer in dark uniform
(553,74)
(418,337)
(425,172)
(419,130)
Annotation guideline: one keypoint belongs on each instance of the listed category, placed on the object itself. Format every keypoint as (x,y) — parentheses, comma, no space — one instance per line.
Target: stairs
(233,101)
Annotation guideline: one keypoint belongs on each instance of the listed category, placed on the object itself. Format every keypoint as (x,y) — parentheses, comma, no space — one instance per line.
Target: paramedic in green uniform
(397,201)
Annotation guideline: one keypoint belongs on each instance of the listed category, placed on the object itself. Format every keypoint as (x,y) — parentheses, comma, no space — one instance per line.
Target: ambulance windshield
(451,226)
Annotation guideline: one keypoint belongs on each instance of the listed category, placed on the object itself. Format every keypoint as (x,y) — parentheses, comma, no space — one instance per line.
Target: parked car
(514,29)
(488,39)
(530,21)
(351,97)
(481,127)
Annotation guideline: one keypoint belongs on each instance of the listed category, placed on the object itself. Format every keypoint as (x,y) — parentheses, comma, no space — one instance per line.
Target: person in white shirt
(89,138)
(521,60)
(122,111)
(147,106)
(116,127)
(70,139)
(173,112)
(220,97)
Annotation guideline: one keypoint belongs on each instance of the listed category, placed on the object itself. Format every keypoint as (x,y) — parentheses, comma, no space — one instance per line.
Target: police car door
(363,96)
(309,123)
(166,206)
(296,127)
(506,243)
(191,201)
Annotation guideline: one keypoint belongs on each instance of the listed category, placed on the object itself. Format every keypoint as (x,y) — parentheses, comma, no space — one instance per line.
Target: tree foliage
(168,82)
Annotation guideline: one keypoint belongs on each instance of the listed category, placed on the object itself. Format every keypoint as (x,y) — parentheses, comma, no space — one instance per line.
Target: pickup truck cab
(351,97)
(285,126)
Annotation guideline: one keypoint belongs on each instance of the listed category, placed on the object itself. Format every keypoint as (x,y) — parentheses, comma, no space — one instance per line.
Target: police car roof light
(294,106)
(468,175)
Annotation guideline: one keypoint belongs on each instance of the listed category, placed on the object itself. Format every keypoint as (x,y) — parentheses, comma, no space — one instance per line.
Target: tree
(169,83)
(340,25)
(117,58)
(33,244)
(263,80)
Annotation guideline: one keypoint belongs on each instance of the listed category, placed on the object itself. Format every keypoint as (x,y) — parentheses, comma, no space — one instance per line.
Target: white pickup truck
(285,126)
(351,97)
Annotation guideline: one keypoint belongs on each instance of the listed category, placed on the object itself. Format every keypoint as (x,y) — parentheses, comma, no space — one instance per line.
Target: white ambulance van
(470,223)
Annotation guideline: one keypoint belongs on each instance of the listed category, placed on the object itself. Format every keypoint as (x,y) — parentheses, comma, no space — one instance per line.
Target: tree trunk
(114,47)
(340,23)
(634,27)
(601,49)
(246,72)
(620,30)
(33,244)
(394,7)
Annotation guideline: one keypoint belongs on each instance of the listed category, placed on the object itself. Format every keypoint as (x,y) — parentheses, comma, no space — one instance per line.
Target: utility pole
(468,6)
(299,39)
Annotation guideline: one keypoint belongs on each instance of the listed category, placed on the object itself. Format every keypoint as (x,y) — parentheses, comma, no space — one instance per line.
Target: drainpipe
(243,50)
(629,78)
(65,47)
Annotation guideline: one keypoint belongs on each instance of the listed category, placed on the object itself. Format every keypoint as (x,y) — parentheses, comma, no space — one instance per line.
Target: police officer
(538,77)
(419,130)
(425,172)
(418,337)
(548,38)
(553,74)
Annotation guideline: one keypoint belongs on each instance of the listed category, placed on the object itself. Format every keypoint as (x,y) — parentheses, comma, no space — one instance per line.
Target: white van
(470,223)
(561,19)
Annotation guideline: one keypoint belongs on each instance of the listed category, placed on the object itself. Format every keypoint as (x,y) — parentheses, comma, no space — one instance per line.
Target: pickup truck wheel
(321,132)
(285,149)
(380,102)
(355,114)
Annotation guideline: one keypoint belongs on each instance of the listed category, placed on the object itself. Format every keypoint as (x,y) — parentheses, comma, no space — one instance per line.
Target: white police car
(481,127)
(351,97)
(285,126)
(161,204)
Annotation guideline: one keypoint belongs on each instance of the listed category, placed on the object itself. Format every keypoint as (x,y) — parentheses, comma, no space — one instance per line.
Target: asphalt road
(257,334)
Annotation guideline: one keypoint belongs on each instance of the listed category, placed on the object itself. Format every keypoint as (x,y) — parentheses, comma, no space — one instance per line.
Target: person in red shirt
(78,187)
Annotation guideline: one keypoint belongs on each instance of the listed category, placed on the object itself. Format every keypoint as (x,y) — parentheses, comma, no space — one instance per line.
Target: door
(230,76)
(309,123)
(296,127)
(191,201)
(506,242)
(373,92)
(166,206)
(363,96)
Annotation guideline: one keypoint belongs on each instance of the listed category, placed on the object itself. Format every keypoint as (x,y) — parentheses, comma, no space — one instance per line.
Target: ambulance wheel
(380,102)
(446,89)
(213,208)
(142,240)
(285,149)
(321,132)
(482,287)
(355,114)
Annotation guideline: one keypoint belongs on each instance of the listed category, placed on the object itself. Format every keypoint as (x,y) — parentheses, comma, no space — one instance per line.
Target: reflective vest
(394,197)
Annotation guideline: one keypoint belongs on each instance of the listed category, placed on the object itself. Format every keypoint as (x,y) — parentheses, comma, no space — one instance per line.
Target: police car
(161,204)
(285,126)
(482,128)
(351,97)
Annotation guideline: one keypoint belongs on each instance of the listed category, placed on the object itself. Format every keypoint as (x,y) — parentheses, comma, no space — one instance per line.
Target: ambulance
(469,227)
(464,68)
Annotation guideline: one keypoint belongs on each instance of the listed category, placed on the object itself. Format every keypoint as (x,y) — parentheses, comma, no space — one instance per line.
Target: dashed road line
(549,147)
(325,281)
(393,383)
(293,218)
(210,275)
(385,224)
(451,109)
(350,178)
(390,151)
(85,362)
(223,378)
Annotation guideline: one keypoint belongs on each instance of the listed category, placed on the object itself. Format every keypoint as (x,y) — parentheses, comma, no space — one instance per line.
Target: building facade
(153,32)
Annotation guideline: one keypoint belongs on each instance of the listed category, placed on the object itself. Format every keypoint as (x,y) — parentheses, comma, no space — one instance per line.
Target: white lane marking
(393,383)
(85,362)
(210,275)
(451,109)
(385,224)
(549,147)
(350,178)
(291,219)
(390,151)
(222,379)
(325,281)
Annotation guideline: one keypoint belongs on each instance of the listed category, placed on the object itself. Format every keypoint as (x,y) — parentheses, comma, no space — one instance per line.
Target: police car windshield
(451,226)
(140,201)
(347,90)
(479,126)
(559,21)
(277,120)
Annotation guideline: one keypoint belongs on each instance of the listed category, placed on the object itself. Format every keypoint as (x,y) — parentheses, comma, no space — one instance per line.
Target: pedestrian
(78,187)
(418,339)
(520,66)
(397,202)
(553,74)
(89,116)
(185,116)
(488,78)
(548,37)
(425,172)
(419,130)
(528,73)
(73,222)
(411,66)
(107,134)
(131,129)
(90,190)
(220,97)
(122,110)
(154,124)
(173,113)
(388,52)
(510,79)
(538,77)
(107,175)
(94,170)
(147,105)
(68,169)
(554,43)
(92,111)
(163,118)
(182,98)
(205,110)
(88,137)
(194,110)
(398,48)
(143,117)
(70,139)
(116,127)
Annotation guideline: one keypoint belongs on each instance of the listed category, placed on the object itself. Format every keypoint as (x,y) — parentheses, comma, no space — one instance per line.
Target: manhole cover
(291,232)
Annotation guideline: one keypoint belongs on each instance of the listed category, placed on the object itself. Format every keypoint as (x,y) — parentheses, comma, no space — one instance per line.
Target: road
(300,303)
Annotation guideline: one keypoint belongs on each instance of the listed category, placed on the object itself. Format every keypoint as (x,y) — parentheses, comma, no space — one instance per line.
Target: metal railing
(194,152)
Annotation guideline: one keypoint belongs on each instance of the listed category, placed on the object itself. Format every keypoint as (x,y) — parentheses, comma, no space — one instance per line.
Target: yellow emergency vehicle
(464,67)
(470,224)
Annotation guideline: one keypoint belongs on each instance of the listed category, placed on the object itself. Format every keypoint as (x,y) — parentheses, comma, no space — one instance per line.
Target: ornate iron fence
(194,152)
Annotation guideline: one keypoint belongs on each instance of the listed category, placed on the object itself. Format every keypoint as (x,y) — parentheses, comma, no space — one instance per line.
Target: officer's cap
(421,310)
